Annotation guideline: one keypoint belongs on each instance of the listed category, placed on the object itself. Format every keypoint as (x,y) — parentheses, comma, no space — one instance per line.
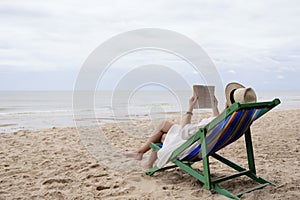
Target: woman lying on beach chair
(173,136)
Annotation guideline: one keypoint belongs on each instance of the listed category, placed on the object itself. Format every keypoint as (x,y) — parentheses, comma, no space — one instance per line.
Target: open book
(205,95)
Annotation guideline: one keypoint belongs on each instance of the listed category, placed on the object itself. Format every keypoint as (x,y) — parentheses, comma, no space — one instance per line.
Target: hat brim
(229,88)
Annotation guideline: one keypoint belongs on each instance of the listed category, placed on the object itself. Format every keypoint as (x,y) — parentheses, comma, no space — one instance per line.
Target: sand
(59,163)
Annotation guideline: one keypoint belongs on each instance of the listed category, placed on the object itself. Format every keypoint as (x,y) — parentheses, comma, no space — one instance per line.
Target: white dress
(175,137)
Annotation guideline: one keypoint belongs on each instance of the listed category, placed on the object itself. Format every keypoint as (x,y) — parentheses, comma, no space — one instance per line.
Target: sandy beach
(56,164)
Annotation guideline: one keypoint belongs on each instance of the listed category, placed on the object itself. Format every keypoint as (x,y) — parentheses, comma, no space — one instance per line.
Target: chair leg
(155,169)
(250,154)
(205,161)
(225,192)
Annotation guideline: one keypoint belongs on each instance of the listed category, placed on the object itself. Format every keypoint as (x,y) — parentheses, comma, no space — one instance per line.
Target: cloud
(232,71)
(238,36)
(280,77)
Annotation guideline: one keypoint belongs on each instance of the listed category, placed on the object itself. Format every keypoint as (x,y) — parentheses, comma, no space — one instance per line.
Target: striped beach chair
(229,126)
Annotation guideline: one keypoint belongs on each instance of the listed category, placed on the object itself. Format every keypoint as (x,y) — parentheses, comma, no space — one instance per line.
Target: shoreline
(111,120)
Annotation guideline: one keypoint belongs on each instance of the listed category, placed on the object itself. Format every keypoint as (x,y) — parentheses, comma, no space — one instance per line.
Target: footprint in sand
(63,181)
(101,187)
(135,179)
(95,176)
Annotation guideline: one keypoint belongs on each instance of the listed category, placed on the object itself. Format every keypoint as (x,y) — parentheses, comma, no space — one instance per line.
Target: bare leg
(149,164)
(163,137)
(157,134)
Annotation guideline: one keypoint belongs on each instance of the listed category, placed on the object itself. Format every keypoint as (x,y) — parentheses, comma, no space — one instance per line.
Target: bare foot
(147,165)
(135,155)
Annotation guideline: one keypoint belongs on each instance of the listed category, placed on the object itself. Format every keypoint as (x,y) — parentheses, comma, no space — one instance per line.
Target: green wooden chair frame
(205,178)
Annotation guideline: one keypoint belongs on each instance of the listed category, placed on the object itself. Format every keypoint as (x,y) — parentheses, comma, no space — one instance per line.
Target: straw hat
(236,92)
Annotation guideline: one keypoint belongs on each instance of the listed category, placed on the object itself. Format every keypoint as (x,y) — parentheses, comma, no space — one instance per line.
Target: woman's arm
(215,110)
(188,115)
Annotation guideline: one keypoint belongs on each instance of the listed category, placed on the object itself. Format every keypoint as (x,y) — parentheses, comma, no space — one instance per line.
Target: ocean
(27,110)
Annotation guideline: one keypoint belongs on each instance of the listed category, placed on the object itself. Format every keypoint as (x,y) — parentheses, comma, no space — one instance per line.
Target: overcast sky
(43,45)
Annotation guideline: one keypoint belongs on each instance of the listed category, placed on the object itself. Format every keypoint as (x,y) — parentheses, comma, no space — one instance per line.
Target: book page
(205,95)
